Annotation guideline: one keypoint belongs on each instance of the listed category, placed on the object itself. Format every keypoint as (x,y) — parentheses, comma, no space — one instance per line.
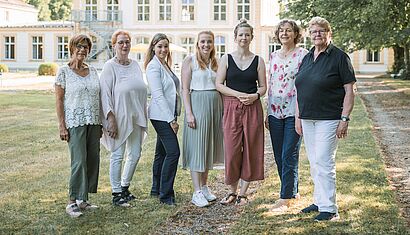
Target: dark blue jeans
(286,145)
(165,164)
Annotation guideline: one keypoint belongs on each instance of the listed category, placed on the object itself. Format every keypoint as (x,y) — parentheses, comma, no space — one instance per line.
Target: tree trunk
(398,59)
(406,75)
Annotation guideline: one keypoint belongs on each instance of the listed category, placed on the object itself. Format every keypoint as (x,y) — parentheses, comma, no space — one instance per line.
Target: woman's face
(123,45)
(244,37)
(81,51)
(319,35)
(286,34)
(161,49)
(205,44)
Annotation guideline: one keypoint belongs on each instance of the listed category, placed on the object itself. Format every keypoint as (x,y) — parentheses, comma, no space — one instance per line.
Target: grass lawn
(34,166)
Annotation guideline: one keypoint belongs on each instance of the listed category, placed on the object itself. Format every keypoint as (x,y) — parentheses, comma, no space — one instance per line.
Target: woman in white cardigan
(163,110)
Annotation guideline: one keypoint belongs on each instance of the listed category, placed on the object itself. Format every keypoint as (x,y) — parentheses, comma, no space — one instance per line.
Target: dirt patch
(389,109)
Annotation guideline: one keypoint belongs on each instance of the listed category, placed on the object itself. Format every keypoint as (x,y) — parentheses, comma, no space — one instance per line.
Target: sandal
(241,200)
(230,198)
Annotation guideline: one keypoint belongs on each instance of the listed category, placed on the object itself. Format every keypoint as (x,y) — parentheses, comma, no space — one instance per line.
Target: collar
(328,50)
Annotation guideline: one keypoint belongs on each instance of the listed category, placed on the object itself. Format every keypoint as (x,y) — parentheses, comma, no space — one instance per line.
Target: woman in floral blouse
(280,120)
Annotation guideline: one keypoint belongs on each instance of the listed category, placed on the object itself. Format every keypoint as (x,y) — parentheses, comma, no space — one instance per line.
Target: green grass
(366,203)
(403,85)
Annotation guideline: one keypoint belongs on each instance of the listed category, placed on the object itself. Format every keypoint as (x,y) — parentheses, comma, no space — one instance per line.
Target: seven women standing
(202,137)
(124,104)
(241,78)
(163,110)
(280,119)
(78,110)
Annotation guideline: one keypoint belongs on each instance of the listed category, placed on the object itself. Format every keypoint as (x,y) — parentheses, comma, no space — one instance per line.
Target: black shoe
(127,194)
(326,216)
(311,208)
(119,200)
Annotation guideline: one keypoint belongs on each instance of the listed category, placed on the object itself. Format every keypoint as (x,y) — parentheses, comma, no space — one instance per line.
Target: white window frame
(273,46)
(113,10)
(143,8)
(372,56)
(9,47)
(219,14)
(166,13)
(220,46)
(241,8)
(189,44)
(188,10)
(62,48)
(142,40)
(91,10)
(37,48)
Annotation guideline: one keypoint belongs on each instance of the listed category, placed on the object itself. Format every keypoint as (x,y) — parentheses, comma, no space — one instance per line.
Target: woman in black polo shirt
(325,98)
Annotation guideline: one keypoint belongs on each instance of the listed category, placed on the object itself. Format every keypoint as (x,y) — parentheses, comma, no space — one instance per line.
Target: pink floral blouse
(282,91)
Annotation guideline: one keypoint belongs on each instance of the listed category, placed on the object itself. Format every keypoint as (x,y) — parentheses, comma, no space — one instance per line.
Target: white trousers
(132,147)
(321,144)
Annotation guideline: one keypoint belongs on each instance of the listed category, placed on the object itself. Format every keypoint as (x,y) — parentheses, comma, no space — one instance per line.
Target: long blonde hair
(150,51)
(212,59)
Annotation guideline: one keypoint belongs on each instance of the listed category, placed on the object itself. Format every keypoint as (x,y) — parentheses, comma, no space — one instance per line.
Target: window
(62,48)
(141,40)
(94,48)
(189,44)
(373,56)
(143,10)
(219,9)
(243,9)
(37,48)
(112,10)
(90,10)
(9,48)
(164,9)
(188,10)
(220,46)
(305,43)
(273,46)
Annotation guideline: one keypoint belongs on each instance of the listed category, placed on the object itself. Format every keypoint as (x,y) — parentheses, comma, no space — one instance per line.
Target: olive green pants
(84,146)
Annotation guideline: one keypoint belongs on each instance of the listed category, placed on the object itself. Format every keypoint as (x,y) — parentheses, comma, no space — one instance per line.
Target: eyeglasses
(80,46)
(285,30)
(121,43)
(320,31)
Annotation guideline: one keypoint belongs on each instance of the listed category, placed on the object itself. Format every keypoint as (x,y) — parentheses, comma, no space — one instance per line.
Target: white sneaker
(199,200)
(73,210)
(207,193)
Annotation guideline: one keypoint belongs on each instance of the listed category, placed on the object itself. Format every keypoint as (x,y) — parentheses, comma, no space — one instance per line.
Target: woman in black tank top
(241,78)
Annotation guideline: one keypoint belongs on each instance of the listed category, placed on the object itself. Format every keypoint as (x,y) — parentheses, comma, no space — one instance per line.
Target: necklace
(122,62)
(286,54)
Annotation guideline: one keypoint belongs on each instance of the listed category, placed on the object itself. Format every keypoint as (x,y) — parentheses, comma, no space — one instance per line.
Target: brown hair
(150,51)
(80,38)
(243,23)
(212,59)
(119,32)
(295,28)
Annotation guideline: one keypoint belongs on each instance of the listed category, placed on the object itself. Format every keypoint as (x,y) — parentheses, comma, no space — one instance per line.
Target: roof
(42,24)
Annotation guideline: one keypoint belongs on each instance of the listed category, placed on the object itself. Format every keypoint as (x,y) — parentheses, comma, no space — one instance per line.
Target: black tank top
(242,80)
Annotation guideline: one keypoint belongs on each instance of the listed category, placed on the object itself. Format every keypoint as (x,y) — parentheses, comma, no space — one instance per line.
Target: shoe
(241,200)
(230,198)
(127,194)
(169,203)
(281,205)
(84,205)
(311,208)
(119,200)
(207,193)
(199,200)
(327,216)
(73,210)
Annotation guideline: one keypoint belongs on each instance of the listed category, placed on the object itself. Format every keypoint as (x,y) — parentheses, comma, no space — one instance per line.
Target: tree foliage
(52,9)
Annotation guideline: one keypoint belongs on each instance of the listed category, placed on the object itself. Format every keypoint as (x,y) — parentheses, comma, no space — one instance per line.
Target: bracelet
(259,95)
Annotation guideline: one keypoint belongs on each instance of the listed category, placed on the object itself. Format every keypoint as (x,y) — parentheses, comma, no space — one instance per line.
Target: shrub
(48,69)
(4,68)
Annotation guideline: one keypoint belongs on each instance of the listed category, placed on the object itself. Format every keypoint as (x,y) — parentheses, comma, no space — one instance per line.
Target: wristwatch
(345,118)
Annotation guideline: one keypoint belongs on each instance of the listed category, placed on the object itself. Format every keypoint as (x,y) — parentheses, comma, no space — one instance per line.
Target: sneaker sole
(199,205)
(334,219)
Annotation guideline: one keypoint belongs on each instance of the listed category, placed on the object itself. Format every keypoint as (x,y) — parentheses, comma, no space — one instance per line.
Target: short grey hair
(322,22)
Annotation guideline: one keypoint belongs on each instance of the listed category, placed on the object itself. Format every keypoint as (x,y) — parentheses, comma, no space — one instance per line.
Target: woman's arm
(186,84)
(64,135)
(221,77)
(107,80)
(348,103)
(248,99)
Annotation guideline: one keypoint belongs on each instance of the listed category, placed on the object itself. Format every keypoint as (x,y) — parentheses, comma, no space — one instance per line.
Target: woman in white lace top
(78,110)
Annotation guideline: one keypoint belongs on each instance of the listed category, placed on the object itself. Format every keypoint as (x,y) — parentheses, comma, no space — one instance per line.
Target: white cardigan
(163,92)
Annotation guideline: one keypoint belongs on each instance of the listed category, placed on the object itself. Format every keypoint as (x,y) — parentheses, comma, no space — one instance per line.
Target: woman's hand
(341,131)
(267,122)
(174,126)
(112,128)
(64,135)
(248,99)
(190,119)
(298,126)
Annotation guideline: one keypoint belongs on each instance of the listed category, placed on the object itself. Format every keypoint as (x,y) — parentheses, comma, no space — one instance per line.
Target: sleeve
(346,70)
(60,78)
(107,86)
(153,74)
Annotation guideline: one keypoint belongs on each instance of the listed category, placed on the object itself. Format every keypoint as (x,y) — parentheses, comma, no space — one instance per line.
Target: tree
(365,24)
(44,12)
(52,9)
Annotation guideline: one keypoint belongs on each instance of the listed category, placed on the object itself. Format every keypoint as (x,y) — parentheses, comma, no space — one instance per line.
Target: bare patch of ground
(389,109)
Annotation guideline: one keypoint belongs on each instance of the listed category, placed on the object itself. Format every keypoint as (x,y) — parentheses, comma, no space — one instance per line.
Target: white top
(202,79)
(165,98)
(81,97)
(124,93)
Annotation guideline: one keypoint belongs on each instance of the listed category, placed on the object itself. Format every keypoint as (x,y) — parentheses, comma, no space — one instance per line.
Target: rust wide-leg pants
(244,140)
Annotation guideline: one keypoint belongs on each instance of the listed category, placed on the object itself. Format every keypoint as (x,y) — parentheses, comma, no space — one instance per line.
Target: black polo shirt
(319,84)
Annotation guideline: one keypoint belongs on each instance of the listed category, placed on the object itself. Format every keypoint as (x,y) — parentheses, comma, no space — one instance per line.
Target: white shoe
(73,210)
(84,205)
(199,200)
(207,193)
(282,205)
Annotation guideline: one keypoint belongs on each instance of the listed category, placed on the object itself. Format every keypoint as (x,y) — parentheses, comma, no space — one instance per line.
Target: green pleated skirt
(203,146)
